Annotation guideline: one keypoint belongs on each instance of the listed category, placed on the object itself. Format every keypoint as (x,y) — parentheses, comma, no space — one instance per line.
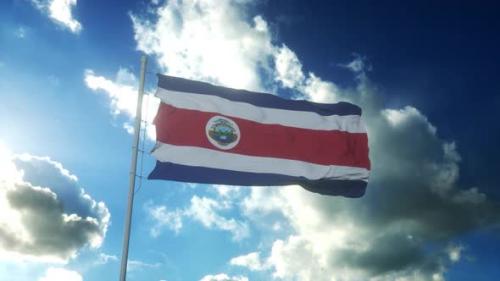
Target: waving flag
(217,135)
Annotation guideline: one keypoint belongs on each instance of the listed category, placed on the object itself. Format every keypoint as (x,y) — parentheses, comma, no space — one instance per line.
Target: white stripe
(290,118)
(204,157)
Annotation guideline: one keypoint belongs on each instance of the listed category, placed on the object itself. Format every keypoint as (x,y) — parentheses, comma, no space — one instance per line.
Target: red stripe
(187,127)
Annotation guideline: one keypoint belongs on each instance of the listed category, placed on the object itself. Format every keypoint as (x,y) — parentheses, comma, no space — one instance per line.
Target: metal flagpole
(132,174)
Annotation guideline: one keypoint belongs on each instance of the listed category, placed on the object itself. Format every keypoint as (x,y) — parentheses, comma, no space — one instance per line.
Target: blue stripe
(257,99)
(176,172)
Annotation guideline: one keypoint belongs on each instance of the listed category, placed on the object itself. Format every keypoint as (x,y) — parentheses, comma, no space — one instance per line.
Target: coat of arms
(222,132)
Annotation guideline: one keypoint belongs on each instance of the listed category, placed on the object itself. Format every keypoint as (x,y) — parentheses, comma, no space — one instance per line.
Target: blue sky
(423,72)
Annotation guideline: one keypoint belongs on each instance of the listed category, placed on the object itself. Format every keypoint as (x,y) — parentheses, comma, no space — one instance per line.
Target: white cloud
(105,258)
(358,65)
(223,277)
(251,261)
(228,192)
(289,74)
(318,90)
(261,201)
(455,252)
(122,93)
(203,210)
(44,214)
(60,11)
(61,274)
(134,265)
(288,68)
(295,258)
(207,40)
(164,218)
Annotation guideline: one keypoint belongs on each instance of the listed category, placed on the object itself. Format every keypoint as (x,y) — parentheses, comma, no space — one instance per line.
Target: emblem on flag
(222,132)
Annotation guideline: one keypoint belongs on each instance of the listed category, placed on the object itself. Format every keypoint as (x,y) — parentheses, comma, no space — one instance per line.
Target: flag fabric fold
(218,135)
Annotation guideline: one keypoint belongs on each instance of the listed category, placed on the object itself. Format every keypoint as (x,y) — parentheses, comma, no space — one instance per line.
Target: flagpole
(132,174)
